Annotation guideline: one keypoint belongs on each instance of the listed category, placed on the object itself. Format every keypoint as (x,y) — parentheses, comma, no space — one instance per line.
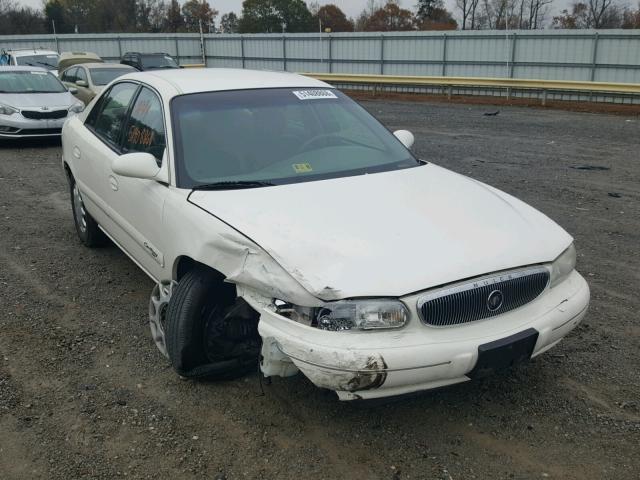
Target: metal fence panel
(603,55)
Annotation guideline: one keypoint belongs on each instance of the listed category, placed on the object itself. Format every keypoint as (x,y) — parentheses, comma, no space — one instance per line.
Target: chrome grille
(477,299)
(43,115)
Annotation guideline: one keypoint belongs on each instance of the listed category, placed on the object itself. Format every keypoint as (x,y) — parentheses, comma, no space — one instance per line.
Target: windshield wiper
(234,185)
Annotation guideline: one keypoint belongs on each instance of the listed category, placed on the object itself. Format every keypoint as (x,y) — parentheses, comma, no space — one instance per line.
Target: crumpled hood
(388,234)
(38,100)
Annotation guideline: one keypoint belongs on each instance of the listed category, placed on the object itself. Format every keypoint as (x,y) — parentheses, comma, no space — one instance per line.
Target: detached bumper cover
(416,357)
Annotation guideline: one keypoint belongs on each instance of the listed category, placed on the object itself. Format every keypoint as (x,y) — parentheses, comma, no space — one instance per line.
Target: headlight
(349,314)
(7,110)
(563,266)
(77,108)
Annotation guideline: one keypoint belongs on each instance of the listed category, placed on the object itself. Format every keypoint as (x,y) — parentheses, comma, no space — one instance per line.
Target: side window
(70,75)
(145,129)
(112,112)
(81,75)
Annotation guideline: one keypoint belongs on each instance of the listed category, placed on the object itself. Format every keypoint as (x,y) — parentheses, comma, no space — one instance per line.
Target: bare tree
(598,11)
(468,9)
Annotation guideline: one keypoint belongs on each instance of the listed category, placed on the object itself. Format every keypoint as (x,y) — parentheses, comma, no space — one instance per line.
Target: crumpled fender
(236,256)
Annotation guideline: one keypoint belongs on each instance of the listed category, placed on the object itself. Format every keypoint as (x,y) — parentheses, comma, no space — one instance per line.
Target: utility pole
(55,37)
(204,55)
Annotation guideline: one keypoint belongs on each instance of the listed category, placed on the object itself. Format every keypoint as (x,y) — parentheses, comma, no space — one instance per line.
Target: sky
(350,7)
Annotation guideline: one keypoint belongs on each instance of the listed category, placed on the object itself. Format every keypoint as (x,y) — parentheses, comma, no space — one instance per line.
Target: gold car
(90,78)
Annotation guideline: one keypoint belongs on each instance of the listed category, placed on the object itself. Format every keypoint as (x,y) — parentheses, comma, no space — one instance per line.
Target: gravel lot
(85,394)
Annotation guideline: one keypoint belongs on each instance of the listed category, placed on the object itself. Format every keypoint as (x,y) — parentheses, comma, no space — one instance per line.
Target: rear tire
(86,227)
(209,332)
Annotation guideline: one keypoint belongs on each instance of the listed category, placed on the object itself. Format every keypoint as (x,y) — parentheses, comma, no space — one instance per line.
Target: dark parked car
(149,61)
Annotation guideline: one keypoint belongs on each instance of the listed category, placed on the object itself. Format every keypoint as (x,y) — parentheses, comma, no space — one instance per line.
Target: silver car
(34,103)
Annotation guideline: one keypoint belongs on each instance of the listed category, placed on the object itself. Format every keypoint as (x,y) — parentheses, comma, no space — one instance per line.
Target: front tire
(209,331)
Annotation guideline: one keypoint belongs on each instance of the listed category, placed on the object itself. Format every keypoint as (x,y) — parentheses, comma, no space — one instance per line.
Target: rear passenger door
(95,146)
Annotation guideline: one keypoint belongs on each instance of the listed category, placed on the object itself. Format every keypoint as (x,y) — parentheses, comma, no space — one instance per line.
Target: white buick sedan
(285,226)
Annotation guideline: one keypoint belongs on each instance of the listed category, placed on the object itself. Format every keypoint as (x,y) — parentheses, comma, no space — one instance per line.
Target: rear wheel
(209,332)
(86,227)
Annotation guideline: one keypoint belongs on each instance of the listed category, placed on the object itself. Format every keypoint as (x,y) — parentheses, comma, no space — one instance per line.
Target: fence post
(330,56)
(242,49)
(513,54)
(594,56)
(444,54)
(381,54)
(177,50)
(284,53)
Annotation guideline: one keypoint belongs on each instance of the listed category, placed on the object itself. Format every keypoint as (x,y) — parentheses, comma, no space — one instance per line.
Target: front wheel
(209,331)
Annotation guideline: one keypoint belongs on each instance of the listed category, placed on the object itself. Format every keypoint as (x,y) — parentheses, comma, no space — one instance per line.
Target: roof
(23,52)
(120,66)
(194,80)
(18,68)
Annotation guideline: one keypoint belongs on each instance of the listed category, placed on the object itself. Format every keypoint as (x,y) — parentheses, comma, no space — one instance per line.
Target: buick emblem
(45,108)
(494,300)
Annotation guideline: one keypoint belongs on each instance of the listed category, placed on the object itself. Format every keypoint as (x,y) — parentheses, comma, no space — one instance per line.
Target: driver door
(140,202)
(84,92)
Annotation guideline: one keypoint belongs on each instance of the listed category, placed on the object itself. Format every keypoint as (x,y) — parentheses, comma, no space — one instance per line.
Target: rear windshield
(284,135)
(49,61)
(102,76)
(158,61)
(30,82)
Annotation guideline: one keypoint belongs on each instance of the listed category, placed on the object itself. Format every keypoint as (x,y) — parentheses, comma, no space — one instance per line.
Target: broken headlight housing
(374,314)
(563,266)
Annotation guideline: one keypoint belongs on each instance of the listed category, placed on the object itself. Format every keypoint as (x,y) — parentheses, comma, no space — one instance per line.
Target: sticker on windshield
(38,73)
(302,167)
(314,94)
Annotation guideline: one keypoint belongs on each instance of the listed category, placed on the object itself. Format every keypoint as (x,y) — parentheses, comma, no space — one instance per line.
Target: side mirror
(405,137)
(136,165)
(82,83)
(73,90)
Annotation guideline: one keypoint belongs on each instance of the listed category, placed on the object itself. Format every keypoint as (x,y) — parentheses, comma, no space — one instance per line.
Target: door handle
(113,182)
(76,152)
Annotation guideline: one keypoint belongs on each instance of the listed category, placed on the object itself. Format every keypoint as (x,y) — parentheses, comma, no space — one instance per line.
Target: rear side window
(108,116)
(145,129)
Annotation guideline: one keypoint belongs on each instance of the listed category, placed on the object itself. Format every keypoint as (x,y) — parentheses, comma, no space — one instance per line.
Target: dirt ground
(85,394)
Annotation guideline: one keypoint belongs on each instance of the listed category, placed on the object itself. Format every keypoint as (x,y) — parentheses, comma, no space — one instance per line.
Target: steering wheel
(305,146)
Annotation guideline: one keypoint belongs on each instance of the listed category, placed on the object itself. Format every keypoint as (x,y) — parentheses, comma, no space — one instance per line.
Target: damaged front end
(344,369)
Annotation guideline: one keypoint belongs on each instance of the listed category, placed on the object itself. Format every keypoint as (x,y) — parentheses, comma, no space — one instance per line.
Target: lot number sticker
(314,94)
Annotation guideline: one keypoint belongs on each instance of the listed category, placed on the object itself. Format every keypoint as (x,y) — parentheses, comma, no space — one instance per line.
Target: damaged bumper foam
(361,365)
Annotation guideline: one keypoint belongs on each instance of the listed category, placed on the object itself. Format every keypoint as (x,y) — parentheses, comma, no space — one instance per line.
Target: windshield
(102,76)
(158,61)
(49,61)
(29,82)
(279,136)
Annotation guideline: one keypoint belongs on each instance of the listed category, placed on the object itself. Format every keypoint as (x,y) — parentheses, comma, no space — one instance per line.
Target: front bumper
(16,126)
(417,357)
